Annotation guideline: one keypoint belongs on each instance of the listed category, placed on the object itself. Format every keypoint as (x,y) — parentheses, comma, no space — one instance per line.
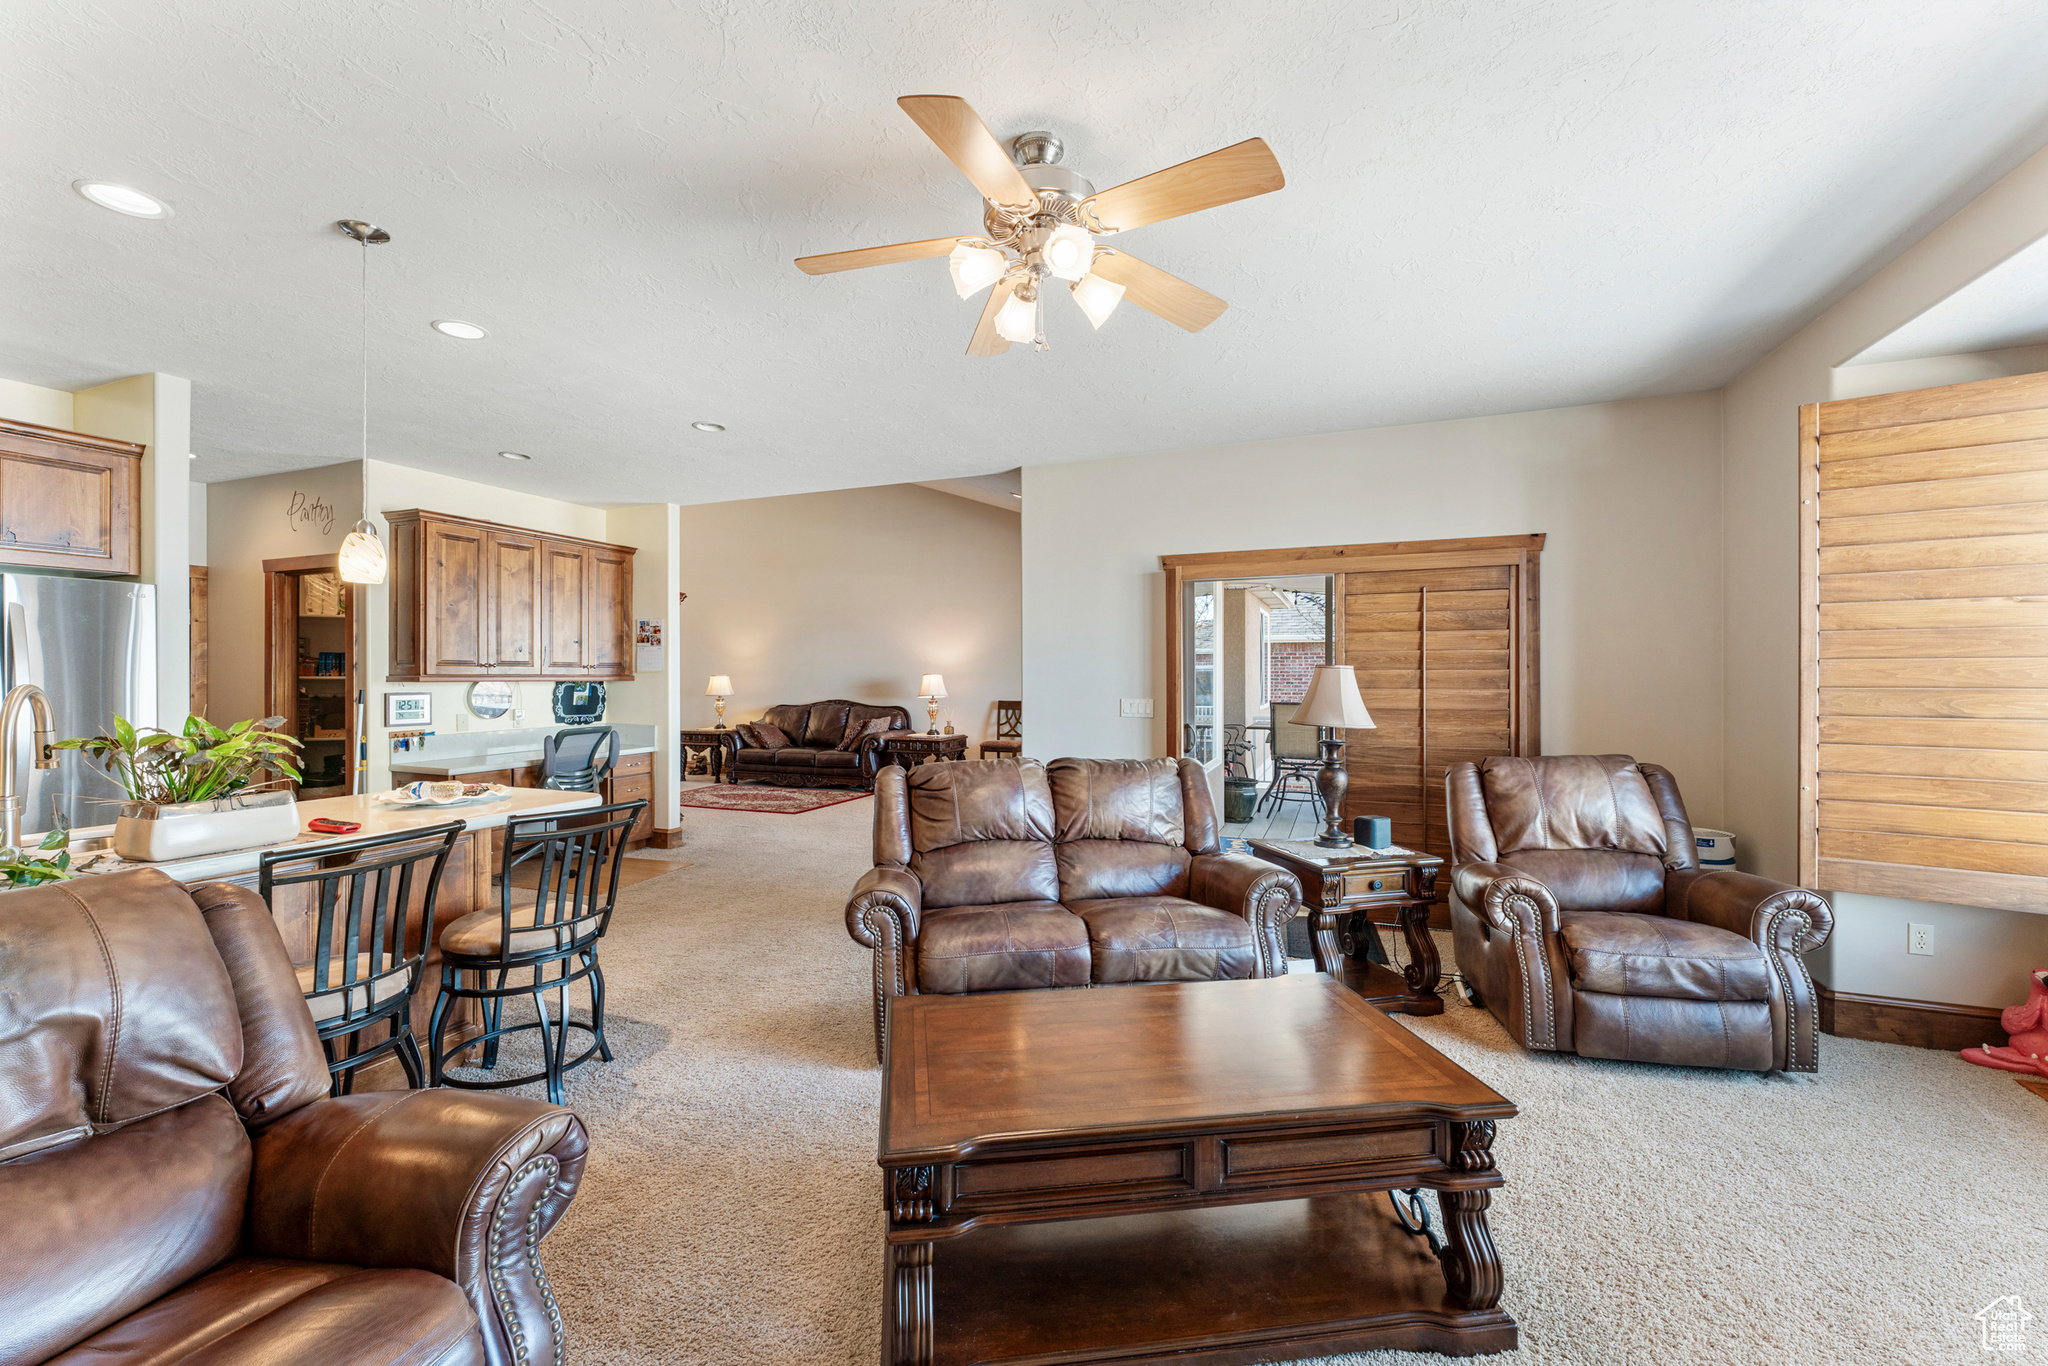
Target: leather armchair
(1001,875)
(1582,919)
(177,1183)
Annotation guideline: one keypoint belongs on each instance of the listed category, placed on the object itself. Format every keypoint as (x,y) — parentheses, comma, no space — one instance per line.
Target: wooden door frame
(291,567)
(1521,553)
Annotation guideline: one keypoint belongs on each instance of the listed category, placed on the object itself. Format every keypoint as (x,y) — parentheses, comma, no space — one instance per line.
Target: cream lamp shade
(934,685)
(719,686)
(1332,700)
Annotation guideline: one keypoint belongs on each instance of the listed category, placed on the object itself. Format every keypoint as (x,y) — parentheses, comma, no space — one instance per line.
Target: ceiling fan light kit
(1040,221)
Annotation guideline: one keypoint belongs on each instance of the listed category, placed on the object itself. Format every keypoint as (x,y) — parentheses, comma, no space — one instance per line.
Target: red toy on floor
(2028,1025)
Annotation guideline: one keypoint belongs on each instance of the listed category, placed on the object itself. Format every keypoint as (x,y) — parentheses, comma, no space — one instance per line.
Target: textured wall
(1629,494)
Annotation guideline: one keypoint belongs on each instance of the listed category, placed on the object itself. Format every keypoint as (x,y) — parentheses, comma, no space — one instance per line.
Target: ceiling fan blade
(986,341)
(1223,177)
(952,123)
(875,256)
(1152,289)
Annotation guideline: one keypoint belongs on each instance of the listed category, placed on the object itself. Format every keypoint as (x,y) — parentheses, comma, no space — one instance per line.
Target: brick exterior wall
(1293,662)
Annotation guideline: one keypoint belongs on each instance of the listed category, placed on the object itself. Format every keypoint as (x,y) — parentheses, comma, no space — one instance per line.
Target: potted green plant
(49,862)
(199,790)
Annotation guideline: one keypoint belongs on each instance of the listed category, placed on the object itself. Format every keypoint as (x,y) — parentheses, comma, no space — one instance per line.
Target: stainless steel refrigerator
(91,645)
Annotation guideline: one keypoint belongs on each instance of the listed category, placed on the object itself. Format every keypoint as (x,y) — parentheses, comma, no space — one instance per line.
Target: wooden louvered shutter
(1924,644)
(1446,661)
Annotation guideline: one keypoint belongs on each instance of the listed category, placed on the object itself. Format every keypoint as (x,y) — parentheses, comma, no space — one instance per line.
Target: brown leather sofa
(177,1186)
(1005,875)
(1582,920)
(813,757)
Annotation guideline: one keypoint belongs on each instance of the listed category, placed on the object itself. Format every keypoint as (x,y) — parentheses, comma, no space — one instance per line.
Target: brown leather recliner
(1583,921)
(1001,875)
(176,1184)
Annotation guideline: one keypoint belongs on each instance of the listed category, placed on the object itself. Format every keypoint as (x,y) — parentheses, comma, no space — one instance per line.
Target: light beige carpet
(732,1211)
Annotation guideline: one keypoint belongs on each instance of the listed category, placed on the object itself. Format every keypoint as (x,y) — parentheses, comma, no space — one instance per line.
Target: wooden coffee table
(1188,1172)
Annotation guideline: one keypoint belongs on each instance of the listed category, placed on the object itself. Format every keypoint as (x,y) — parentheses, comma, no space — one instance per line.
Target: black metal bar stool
(373,913)
(524,948)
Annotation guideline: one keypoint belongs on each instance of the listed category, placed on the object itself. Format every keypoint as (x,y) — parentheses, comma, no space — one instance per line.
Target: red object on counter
(327,826)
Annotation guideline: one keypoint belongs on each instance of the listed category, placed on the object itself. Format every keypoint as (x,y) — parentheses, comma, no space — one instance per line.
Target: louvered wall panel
(1924,682)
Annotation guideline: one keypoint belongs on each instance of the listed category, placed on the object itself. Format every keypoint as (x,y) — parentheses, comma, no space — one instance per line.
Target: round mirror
(490,700)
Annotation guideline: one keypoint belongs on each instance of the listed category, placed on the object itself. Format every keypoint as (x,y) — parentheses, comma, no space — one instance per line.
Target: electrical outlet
(1135,706)
(1920,939)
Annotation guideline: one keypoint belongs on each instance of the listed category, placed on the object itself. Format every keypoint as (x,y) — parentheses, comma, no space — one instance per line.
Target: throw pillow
(768,736)
(878,726)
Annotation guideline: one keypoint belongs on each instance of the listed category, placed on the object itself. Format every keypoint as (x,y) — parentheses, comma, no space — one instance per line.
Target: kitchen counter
(455,766)
(376,819)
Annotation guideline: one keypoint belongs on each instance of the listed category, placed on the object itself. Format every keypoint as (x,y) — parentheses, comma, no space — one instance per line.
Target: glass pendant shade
(1098,298)
(975,268)
(1017,321)
(362,555)
(1068,252)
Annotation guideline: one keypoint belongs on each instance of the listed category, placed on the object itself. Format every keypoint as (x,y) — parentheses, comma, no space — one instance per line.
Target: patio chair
(1296,757)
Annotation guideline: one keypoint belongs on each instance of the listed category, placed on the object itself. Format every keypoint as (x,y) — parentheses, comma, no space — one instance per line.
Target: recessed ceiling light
(1016,495)
(707,426)
(191,455)
(461,331)
(121,199)
(514,455)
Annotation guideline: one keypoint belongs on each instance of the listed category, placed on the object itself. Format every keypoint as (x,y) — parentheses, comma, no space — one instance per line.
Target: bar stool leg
(604,1048)
(407,1047)
(439,1020)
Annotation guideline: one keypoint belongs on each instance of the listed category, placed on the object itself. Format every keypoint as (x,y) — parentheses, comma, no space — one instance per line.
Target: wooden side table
(1346,893)
(908,749)
(717,741)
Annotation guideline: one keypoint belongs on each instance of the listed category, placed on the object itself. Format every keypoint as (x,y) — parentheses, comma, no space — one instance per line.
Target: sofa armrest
(1509,902)
(1264,893)
(882,915)
(1784,921)
(461,1185)
(885,902)
(1506,899)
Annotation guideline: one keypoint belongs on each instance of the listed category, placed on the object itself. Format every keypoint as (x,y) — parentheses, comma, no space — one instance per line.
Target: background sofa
(813,758)
(176,1184)
(1001,875)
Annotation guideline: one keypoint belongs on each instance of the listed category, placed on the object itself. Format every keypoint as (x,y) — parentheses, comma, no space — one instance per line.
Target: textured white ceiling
(2004,307)
(1490,207)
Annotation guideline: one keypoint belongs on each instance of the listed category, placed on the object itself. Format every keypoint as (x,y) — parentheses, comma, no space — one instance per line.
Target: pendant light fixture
(362,554)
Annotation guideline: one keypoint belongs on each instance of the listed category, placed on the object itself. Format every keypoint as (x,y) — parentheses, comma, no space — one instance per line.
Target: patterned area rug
(783,801)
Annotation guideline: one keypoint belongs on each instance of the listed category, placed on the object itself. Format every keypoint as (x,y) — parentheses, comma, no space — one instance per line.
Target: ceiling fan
(1040,222)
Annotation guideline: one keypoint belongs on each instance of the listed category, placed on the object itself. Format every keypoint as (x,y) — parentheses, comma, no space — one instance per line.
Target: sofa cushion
(1648,955)
(98,1228)
(1595,879)
(790,720)
(1117,799)
(860,715)
(857,731)
(260,1310)
(1571,801)
(1092,870)
(114,1004)
(826,726)
(796,756)
(1011,947)
(981,833)
(1165,939)
(769,736)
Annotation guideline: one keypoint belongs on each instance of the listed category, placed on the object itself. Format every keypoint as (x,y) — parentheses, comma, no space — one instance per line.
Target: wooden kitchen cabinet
(477,600)
(69,501)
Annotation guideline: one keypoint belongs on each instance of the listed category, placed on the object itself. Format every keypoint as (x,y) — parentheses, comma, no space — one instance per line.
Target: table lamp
(931,689)
(718,689)
(1332,701)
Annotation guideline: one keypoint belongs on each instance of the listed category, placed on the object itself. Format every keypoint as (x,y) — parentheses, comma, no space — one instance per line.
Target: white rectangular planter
(148,833)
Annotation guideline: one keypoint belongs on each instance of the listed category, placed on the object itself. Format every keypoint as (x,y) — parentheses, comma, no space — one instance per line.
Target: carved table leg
(1471,1265)
(1424,967)
(1325,939)
(907,1325)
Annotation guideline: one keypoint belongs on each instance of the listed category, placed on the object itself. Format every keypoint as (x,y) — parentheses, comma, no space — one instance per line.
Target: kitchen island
(465,881)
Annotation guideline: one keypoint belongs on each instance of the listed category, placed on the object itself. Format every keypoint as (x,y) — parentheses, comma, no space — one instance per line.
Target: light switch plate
(1136,706)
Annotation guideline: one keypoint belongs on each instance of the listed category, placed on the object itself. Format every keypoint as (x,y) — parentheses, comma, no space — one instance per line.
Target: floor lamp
(1332,702)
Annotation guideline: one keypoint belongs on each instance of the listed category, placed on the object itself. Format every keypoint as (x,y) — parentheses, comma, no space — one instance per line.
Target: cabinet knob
(1379,885)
